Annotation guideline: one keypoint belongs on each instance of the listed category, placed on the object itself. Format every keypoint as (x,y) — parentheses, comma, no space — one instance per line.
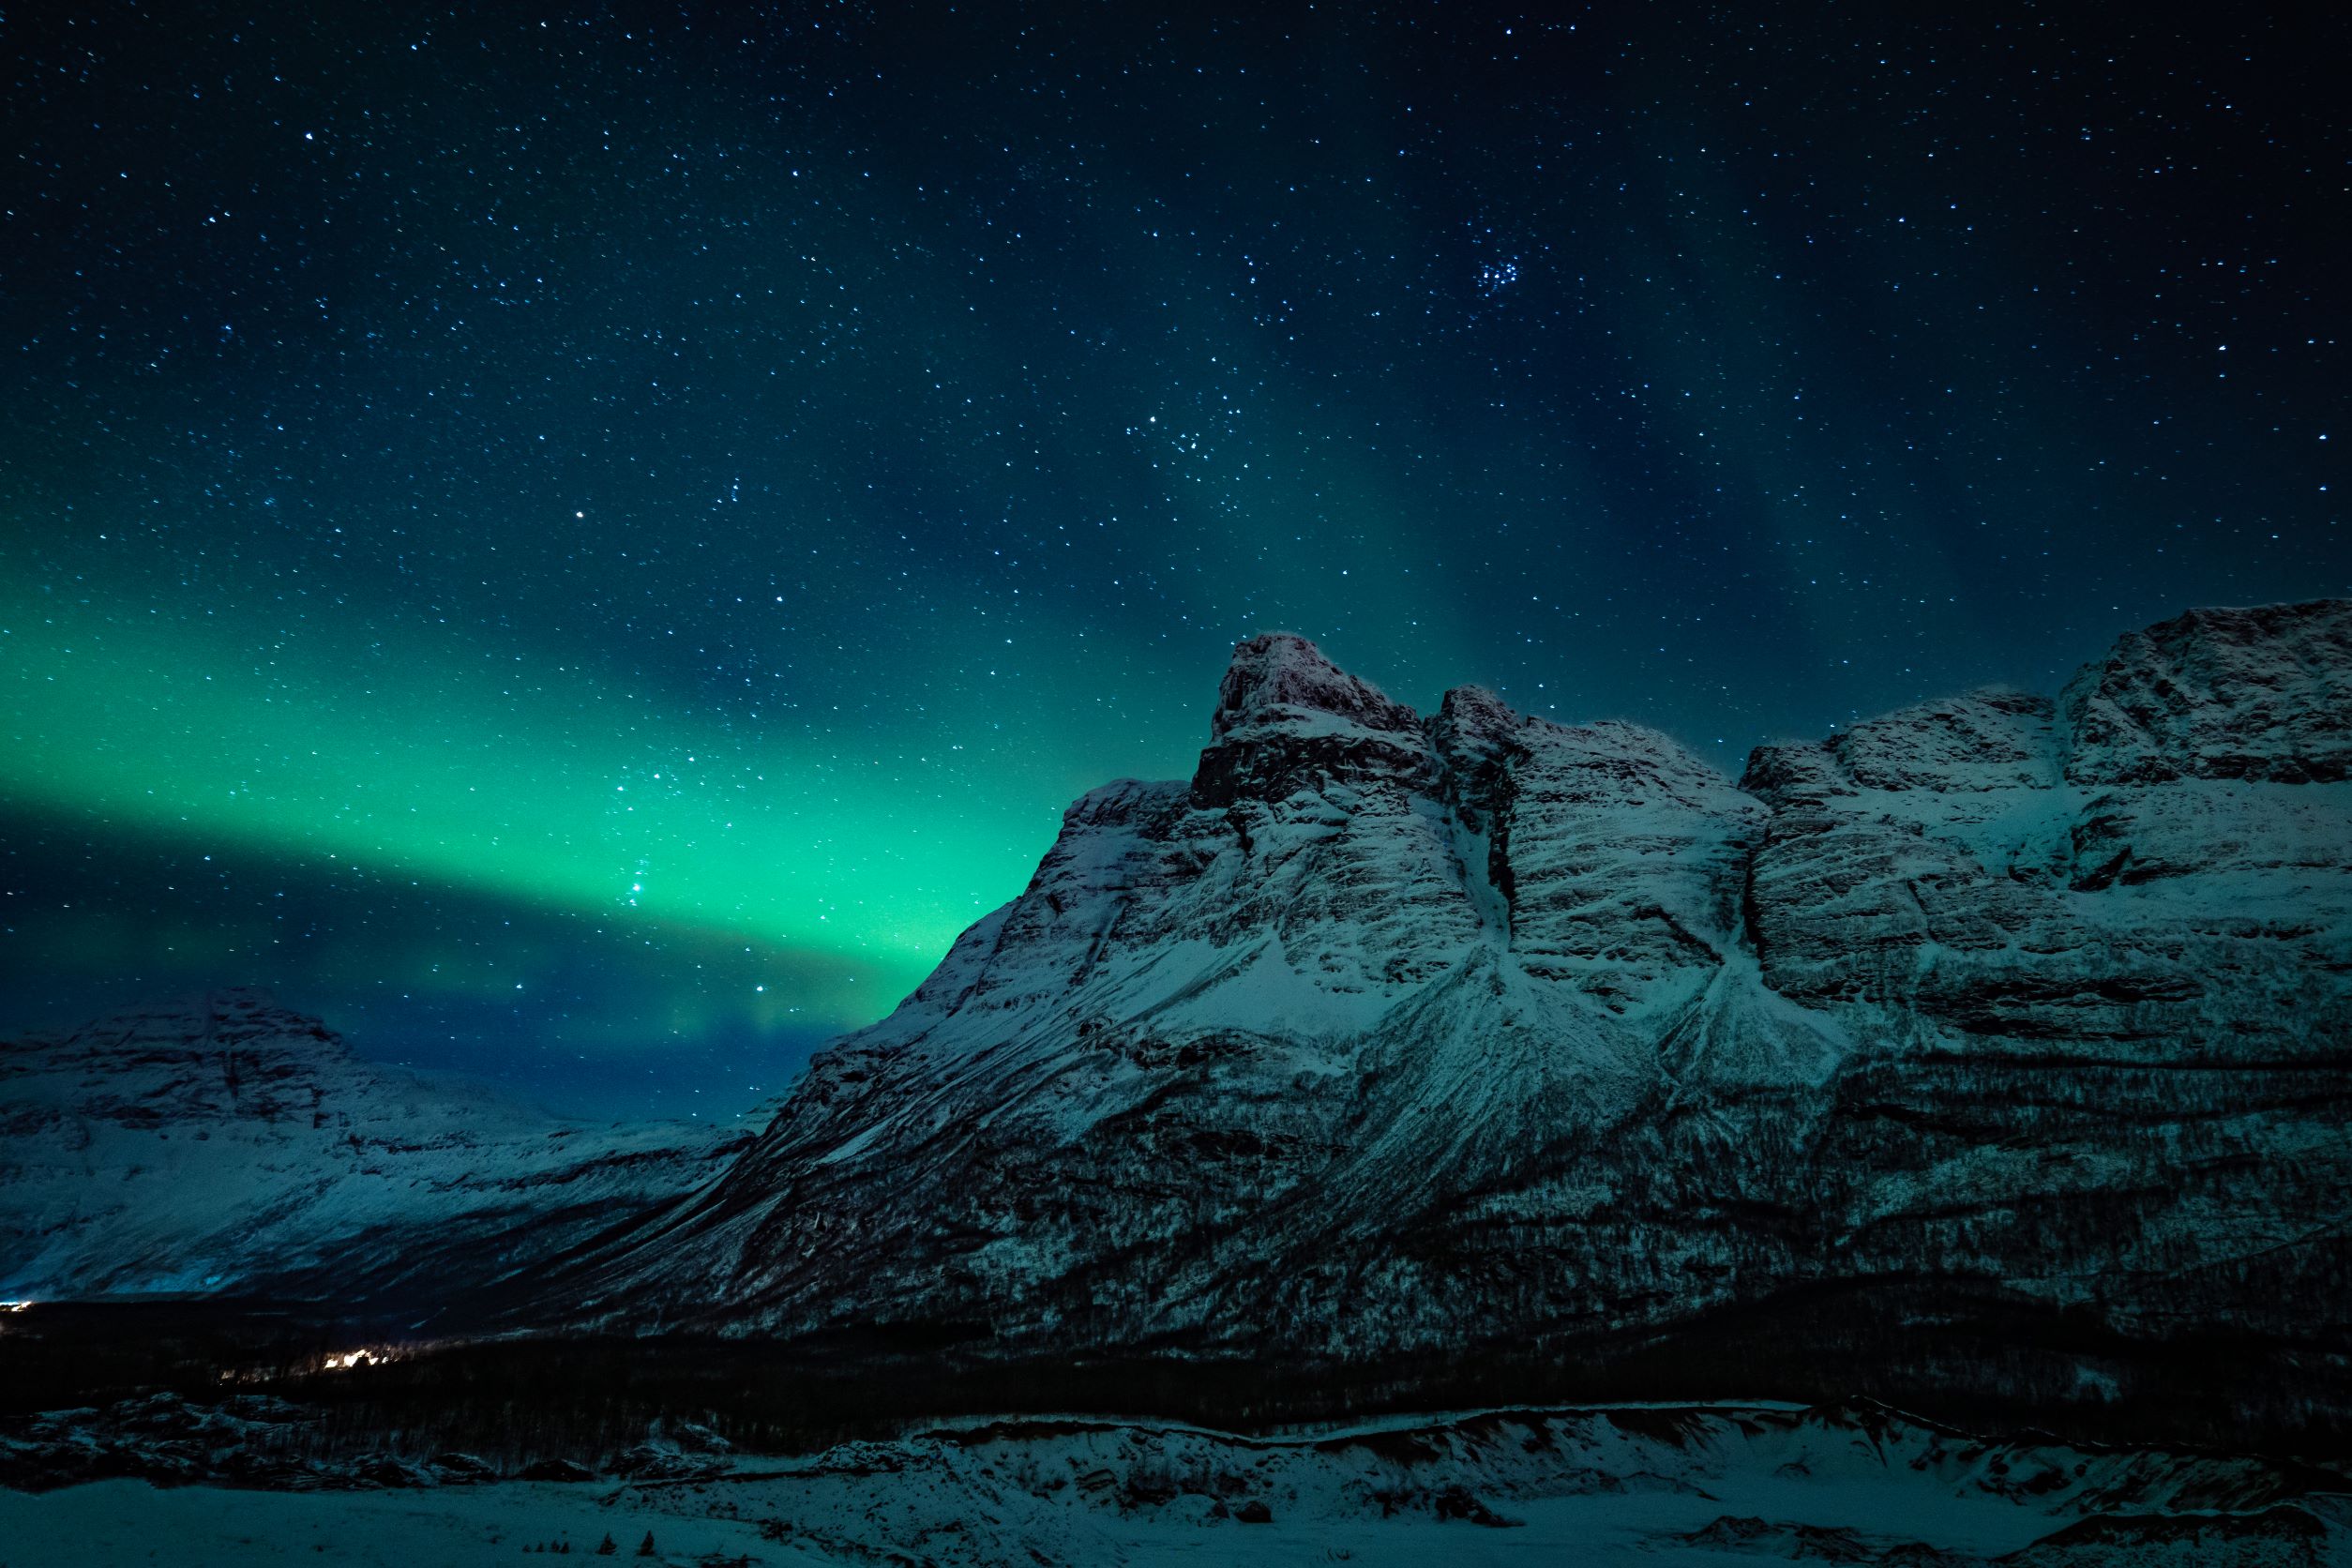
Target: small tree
(645,1548)
(607,1546)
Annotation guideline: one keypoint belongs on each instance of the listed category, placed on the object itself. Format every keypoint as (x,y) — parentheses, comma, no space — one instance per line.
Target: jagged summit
(1476,708)
(1288,720)
(1474,726)
(1281,678)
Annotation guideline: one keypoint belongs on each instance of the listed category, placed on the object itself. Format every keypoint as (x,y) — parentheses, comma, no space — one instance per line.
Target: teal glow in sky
(587,548)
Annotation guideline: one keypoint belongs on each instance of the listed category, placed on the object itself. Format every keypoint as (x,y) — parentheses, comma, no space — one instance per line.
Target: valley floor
(1665,1485)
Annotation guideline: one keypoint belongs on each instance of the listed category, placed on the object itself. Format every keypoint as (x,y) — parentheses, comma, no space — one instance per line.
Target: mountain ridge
(1381,1034)
(223,1144)
(2021,1023)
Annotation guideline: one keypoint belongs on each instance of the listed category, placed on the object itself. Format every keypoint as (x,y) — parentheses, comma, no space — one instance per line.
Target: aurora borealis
(585,544)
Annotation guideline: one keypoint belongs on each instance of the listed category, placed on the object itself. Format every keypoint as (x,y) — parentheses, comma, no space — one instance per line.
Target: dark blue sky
(586,543)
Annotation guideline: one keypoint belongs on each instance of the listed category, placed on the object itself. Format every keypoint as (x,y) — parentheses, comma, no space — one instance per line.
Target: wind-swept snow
(1682,1485)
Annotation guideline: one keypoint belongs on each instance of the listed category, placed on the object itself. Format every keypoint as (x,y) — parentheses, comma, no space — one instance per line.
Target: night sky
(586,543)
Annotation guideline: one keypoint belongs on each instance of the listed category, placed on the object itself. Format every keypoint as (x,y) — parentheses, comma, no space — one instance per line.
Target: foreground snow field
(1659,1484)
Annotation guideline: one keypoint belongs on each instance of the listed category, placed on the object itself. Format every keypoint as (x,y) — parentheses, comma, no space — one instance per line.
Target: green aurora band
(500,775)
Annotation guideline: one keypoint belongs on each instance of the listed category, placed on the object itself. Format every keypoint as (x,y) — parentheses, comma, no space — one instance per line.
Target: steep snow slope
(228,1144)
(1383,1035)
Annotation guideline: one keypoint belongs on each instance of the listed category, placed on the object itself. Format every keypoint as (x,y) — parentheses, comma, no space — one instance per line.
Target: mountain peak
(1282,678)
(1476,711)
(1289,718)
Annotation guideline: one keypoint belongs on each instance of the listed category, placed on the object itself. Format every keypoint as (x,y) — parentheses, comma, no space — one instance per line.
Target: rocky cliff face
(225,1145)
(1386,1035)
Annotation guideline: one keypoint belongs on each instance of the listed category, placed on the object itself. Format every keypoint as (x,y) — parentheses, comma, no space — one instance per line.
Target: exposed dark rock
(567,1470)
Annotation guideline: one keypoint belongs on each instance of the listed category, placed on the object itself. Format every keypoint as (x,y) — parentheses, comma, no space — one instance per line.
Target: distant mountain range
(222,1145)
(2004,1038)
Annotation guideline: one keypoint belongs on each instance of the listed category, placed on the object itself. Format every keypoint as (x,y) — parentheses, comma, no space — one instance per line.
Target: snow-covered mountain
(1388,1035)
(224,1144)
(1388,1039)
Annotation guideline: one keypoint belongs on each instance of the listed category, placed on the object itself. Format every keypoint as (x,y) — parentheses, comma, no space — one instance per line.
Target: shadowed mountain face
(1388,1035)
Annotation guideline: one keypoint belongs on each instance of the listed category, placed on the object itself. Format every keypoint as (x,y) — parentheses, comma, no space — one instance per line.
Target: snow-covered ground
(1658,1484)
(213,1527)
